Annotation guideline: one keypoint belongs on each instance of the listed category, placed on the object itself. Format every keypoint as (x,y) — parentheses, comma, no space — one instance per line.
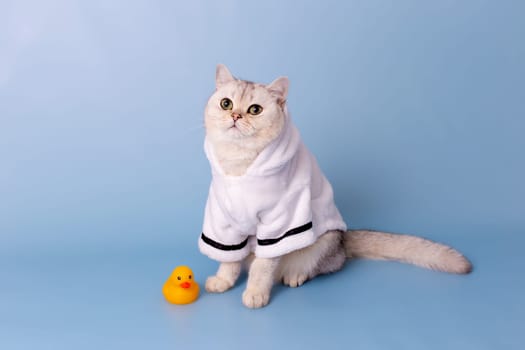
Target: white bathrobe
(282,203)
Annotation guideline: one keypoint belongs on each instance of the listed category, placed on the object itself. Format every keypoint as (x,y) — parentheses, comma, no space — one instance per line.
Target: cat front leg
(225,277)
(260,282)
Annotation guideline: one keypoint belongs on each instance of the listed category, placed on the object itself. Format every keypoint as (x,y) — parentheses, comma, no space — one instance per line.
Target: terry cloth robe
(282,203)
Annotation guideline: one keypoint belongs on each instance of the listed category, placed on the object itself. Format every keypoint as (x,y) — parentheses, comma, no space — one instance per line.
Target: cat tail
(405,248)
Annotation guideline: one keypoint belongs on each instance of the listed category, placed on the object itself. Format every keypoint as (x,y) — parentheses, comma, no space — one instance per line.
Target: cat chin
(229,136)
(235,133)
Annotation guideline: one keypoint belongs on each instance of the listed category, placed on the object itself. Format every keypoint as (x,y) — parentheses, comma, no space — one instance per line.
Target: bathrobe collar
(271,159)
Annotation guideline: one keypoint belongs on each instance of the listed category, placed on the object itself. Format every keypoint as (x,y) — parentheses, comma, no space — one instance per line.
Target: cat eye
(255,109)
(226,104)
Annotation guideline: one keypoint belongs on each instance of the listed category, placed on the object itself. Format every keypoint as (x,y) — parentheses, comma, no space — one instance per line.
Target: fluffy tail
(405,248)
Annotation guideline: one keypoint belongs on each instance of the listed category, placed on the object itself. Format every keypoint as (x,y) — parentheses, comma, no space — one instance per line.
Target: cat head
(243,112)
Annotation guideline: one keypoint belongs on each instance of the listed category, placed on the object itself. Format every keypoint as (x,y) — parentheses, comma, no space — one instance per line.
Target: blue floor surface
(114,301)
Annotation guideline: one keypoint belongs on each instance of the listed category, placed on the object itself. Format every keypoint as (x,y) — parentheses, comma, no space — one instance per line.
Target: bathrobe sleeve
(219,239)
(287,226)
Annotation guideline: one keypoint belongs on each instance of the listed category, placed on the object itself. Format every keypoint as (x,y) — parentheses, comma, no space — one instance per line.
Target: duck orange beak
(185,285)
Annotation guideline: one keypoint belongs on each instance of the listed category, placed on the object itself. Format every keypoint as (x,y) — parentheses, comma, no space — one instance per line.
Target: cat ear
(280,88)
(222,76)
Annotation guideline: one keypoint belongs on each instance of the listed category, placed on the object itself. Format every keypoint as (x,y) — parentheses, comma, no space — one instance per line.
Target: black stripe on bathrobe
(289,233)
(221,246)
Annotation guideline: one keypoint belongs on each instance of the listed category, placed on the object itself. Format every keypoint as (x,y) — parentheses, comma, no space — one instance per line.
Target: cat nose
(236,116)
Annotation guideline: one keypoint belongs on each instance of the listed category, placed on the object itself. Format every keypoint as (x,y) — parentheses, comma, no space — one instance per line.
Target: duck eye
(178,277)
(226,104)
(189,277)
(255,109)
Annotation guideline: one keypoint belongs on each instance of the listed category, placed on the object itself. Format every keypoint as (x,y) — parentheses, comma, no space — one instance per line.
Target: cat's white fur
(238,138)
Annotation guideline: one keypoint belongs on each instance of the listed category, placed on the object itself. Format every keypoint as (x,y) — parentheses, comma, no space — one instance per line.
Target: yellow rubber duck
(180,287)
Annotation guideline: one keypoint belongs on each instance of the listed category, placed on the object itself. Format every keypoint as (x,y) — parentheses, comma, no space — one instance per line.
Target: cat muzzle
(236,116)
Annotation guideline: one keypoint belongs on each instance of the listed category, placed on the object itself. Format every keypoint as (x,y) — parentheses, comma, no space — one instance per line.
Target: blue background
(415,110)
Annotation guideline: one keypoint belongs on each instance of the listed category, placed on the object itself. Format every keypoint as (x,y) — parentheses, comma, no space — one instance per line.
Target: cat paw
(215,284)
(255,299)
(295,280)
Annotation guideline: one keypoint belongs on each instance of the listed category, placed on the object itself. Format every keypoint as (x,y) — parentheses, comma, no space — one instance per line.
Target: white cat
(270,205)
